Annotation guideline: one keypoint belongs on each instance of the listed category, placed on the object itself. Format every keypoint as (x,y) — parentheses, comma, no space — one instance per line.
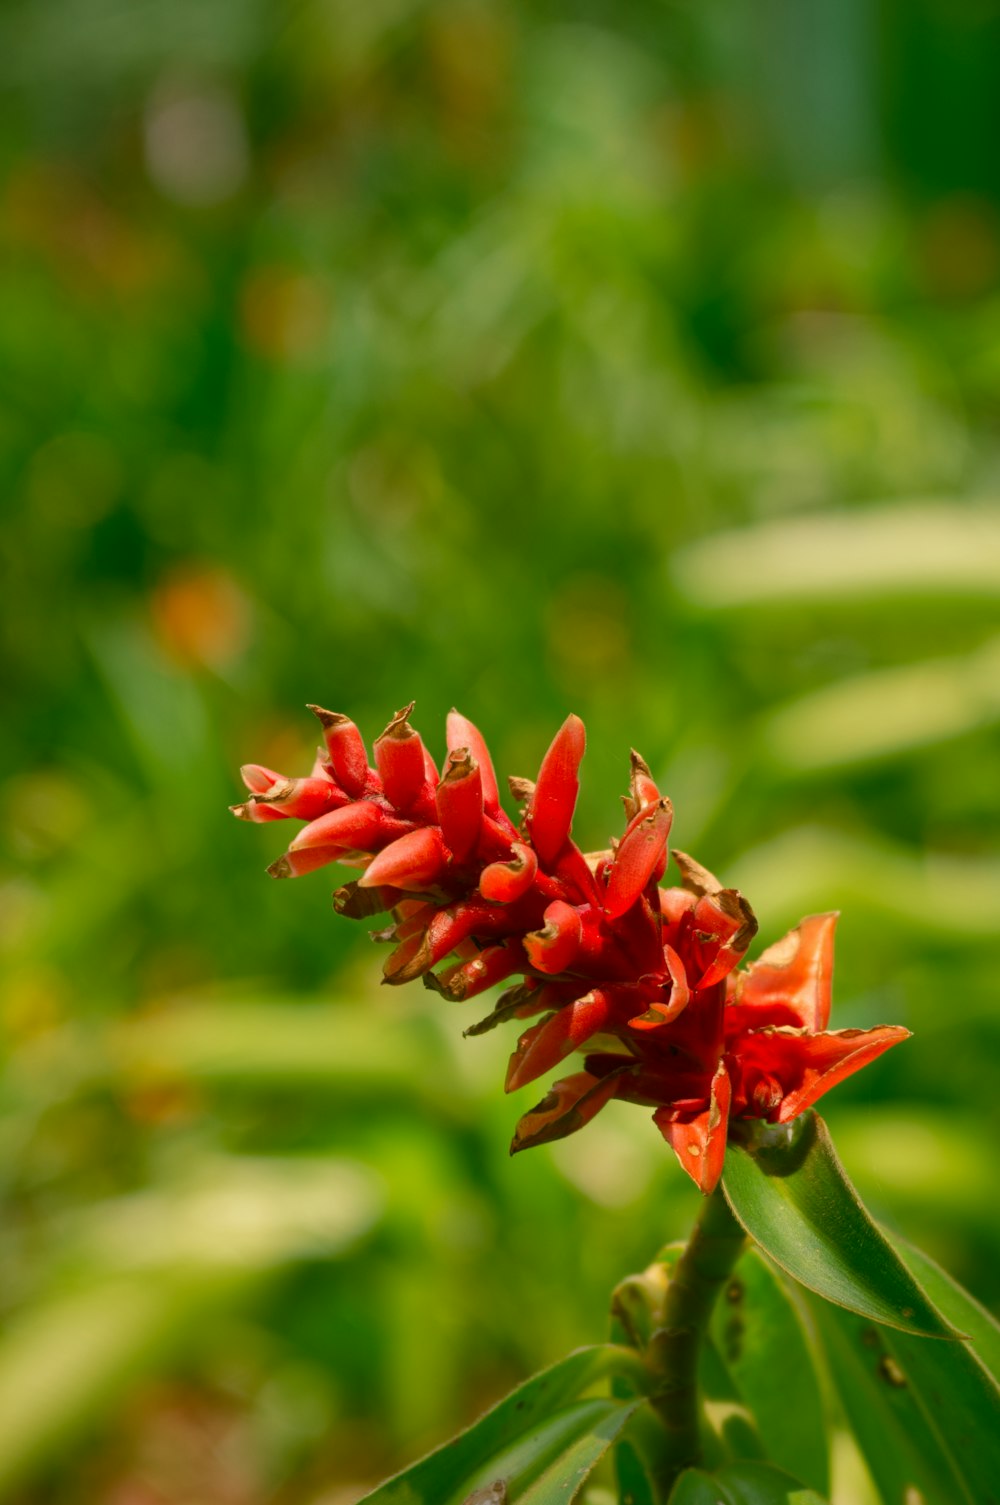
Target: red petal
(257,813)
(399,758)
(459,799)
(550,816)
(257,778)
(492,965)
(305,799)
(546,1044)
(641,854)
(667,1010)
(807,1065)
(460,732)
(554,948)
(566,1107)
(700,1142)
(413,862)
(344,743)
(355,827)
(295,864)
(506,882)
(790,982)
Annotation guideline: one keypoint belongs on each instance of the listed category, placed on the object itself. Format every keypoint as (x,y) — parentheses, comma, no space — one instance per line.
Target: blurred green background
(635,358)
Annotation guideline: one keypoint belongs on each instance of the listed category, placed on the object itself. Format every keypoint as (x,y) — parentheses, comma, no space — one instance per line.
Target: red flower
(644,976)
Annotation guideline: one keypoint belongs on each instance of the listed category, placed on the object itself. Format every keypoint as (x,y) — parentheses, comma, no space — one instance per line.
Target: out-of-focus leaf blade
(792,1196)
(160,1264)
(900,1447)
(885,713)
(931,549)
(759,1336)
(743,1483)
(537,1440)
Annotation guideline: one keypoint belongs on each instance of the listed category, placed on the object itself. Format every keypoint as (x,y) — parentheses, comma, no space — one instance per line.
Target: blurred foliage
(629,358)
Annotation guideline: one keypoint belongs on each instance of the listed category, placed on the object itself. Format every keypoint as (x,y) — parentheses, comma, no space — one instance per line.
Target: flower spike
(644,981)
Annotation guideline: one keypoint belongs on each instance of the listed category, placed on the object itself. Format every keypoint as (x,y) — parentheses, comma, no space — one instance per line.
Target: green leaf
(792,1195)
(981,1328)
(760,1338)
(744,1483)
(903,1454)
(540,1442)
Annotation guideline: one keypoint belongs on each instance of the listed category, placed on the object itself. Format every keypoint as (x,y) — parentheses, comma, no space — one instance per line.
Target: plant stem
(672,1352)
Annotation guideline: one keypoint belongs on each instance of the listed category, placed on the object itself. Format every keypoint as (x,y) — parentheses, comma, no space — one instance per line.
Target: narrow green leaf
(791,1194)
(744,1483)
(536,1440)
(903,1454)
(760,1339)
(954,1387)
(981,1328)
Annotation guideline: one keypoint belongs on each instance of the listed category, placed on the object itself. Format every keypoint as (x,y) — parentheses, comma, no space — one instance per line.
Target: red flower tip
(253,811)
(345,748)
(550,814)
(640,857)
(257,778)
(553,949)
(459,801)
(460,732)
(399,758)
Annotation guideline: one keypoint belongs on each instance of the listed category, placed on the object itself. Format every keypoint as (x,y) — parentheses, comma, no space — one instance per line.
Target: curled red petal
(699,1141)
(805,1064)
(566,1107)
(790,983)
(550,814)
(551,1041)
(257,778)
(554,948)
(506,882)
(413,862)
(640,857)
(346,749)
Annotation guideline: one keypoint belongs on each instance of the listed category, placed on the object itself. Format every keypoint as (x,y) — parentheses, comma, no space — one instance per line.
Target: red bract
(641,977)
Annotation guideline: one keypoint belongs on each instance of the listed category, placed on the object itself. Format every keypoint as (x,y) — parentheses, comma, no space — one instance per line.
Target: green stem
(672,1352)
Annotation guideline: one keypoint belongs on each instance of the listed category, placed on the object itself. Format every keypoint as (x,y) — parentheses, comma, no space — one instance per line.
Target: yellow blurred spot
(284,314)
(44,812)
(586,626)
(34,1002)
(959,247)
(201,616)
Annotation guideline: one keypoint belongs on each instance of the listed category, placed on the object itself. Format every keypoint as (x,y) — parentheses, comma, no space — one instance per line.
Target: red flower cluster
(643,976)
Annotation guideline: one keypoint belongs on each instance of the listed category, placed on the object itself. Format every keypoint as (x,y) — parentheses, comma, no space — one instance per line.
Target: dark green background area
(635,359)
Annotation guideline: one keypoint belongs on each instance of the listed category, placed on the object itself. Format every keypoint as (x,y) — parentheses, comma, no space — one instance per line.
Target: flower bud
(413,862)
(640,857)
(399,758)
(346,750)
(459,800)
(547,1043)
(460,733)
(550,813)
(553,948)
